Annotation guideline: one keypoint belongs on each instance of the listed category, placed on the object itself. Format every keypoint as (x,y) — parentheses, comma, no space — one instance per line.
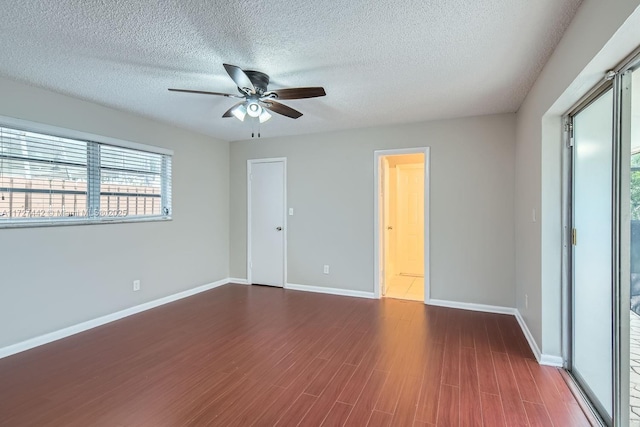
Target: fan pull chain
(253,128)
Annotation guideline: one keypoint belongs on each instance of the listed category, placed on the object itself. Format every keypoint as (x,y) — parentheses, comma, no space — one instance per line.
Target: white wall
(331,188)
(54,277)
(585,52)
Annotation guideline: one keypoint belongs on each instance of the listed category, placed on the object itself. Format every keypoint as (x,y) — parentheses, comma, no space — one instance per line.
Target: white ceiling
(381,62)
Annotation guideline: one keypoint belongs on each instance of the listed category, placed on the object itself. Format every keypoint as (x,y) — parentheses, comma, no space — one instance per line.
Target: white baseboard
(527,334)
(549,360)
(473,307)
(332,291)
(543,359)
(103,320)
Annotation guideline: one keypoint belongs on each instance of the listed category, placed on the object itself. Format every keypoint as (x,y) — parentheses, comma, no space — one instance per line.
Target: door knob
(389,228)
(279,228)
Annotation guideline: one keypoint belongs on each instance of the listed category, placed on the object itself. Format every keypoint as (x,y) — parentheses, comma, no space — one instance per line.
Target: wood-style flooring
(257,356)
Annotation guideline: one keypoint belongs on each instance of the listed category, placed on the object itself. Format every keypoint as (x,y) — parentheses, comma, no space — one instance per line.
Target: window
(46,179)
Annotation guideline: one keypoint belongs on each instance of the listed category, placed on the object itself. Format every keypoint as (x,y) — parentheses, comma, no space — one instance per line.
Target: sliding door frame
(602,89)
(619,79)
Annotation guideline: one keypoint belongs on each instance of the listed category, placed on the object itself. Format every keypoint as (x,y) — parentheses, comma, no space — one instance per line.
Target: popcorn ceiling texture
(381,62)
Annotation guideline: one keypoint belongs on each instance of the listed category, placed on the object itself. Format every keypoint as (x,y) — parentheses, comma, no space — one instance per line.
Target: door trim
(250,163)
(377,221)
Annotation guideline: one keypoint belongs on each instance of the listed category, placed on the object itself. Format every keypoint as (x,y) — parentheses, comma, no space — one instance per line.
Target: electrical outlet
(136,285)
(526,301)
(326,269)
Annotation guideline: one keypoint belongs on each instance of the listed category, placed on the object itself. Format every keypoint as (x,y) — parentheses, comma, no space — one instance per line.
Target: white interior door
(386,226)
(391,228)
(592,258)
(410,219)
(267,222)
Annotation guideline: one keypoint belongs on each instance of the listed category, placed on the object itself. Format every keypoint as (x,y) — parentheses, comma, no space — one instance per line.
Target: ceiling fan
(256,99)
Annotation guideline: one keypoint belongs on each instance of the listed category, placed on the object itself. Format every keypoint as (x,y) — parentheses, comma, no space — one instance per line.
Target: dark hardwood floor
(249,355)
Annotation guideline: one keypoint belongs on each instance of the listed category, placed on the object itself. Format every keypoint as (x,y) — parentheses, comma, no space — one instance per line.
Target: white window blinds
(49,179)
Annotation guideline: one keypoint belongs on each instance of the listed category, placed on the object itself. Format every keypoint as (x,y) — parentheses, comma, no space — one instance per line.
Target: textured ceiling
(381,62)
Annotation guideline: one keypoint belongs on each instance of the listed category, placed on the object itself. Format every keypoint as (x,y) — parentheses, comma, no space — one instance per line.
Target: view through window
(45,178)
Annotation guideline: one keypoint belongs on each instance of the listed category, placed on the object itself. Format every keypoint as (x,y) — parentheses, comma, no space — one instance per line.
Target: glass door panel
(592,266)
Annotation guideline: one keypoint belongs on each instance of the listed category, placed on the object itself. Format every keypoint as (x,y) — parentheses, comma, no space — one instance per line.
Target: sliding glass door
(592,355)
(602,351)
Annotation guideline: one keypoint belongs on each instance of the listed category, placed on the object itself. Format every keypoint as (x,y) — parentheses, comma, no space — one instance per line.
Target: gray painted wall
(570,72)
(331,188)
(55,277)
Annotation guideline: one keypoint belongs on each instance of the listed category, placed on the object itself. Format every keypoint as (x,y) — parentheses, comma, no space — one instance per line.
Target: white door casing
(378,221)
(266,221)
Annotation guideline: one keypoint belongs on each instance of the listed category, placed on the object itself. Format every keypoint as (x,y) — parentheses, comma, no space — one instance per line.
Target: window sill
(73,222)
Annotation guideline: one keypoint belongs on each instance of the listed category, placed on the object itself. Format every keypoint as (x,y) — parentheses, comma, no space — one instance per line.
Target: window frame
(93,182)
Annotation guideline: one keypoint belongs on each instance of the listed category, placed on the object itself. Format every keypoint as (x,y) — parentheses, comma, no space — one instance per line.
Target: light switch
(290,211)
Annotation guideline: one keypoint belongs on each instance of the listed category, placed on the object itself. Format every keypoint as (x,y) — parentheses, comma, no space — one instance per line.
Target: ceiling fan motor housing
(260,80)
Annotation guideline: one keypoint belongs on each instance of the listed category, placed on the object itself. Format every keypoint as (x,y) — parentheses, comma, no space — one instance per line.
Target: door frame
(250,163)
(378,254)
(618,80)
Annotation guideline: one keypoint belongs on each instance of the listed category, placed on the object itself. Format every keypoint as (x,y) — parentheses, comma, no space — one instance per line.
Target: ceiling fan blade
(276,107)
(299,92)
(229,113)
(239,77)
(228,95)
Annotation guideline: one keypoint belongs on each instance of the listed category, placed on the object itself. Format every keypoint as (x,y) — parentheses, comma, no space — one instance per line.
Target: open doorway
(401,226)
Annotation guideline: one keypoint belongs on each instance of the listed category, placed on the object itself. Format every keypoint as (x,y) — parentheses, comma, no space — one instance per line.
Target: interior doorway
(402,225)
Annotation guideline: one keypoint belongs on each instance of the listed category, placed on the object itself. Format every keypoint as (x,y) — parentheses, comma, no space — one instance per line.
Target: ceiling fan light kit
(239,112)
(264,116)
(254,109)
(252,86)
